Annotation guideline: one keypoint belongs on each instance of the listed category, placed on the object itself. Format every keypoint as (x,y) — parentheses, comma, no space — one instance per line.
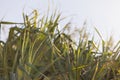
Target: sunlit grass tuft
(38,50)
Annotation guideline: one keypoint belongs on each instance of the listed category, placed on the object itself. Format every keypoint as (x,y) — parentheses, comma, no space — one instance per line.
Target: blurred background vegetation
(41,49)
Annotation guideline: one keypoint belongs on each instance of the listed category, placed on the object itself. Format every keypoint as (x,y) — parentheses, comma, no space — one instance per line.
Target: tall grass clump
(38,50)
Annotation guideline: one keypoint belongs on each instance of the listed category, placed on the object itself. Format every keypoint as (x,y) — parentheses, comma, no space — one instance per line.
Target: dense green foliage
(39,50)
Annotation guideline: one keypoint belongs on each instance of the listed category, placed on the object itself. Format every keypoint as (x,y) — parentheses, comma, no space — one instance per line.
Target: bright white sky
(103,14)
